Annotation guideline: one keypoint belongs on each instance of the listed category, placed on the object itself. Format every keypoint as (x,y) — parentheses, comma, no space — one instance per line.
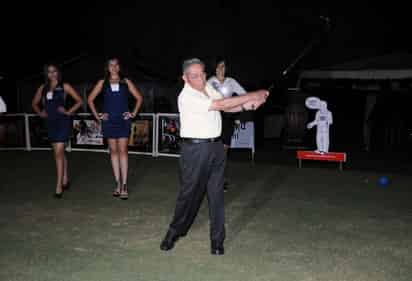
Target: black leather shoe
(169,241)
(218,250)
(225,186)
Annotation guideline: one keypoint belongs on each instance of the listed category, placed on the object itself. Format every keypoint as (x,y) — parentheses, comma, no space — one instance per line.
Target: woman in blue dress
(52,95)
(116,118)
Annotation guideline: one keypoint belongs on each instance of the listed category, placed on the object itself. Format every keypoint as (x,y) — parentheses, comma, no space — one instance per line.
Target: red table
(339,157)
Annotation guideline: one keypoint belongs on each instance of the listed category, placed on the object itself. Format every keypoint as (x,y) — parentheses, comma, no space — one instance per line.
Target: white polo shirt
(196,121)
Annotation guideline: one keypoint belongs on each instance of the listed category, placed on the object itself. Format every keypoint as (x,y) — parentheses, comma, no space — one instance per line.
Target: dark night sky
(258,37)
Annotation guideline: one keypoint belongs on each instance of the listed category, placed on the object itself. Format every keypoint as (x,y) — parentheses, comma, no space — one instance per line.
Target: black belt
(192,140)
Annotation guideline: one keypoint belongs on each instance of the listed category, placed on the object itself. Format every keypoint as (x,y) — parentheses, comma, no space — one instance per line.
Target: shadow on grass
(264,188)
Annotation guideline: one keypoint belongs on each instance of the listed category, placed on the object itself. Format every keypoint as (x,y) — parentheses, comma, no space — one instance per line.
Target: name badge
(225,90)
(49,95)
(115,87)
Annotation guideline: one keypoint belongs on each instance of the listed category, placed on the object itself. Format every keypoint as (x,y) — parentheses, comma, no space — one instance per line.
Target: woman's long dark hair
(46,76)
(47,84)
(106,69)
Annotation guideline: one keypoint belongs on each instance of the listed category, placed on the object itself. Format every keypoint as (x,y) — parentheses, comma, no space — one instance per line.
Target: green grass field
(283,223)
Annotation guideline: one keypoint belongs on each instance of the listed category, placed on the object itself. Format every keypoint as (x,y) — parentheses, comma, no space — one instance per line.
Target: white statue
(3,107)
(323,120)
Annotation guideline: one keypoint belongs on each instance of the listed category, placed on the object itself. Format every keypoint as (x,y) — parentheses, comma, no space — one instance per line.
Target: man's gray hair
(189,62)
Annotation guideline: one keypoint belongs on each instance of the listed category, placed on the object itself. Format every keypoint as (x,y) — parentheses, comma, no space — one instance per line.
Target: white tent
(393,67)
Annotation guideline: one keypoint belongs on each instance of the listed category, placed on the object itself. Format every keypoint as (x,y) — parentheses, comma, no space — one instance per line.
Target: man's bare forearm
(234,109)
(229,103)
(235,103)
(250,105)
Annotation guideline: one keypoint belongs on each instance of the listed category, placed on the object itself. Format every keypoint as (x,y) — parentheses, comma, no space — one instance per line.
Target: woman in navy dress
(52,95)
(116,119)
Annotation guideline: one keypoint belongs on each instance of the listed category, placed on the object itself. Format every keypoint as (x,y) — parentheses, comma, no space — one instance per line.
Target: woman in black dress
(52,96)
(228,87)
(116,119)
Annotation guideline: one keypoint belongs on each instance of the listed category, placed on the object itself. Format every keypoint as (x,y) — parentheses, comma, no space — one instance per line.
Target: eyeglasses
(195,75)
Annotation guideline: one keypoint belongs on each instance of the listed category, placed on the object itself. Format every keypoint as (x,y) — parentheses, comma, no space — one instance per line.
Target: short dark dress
(59,125)
(115,104)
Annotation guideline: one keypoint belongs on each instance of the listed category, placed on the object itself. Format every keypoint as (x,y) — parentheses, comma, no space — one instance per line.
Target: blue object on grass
(383,181)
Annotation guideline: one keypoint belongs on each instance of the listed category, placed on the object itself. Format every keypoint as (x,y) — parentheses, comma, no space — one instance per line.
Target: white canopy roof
(393,66)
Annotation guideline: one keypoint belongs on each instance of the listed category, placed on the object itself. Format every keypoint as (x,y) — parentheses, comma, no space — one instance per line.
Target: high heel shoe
(123,192)
(116,191)
(66,186)
(58,195)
